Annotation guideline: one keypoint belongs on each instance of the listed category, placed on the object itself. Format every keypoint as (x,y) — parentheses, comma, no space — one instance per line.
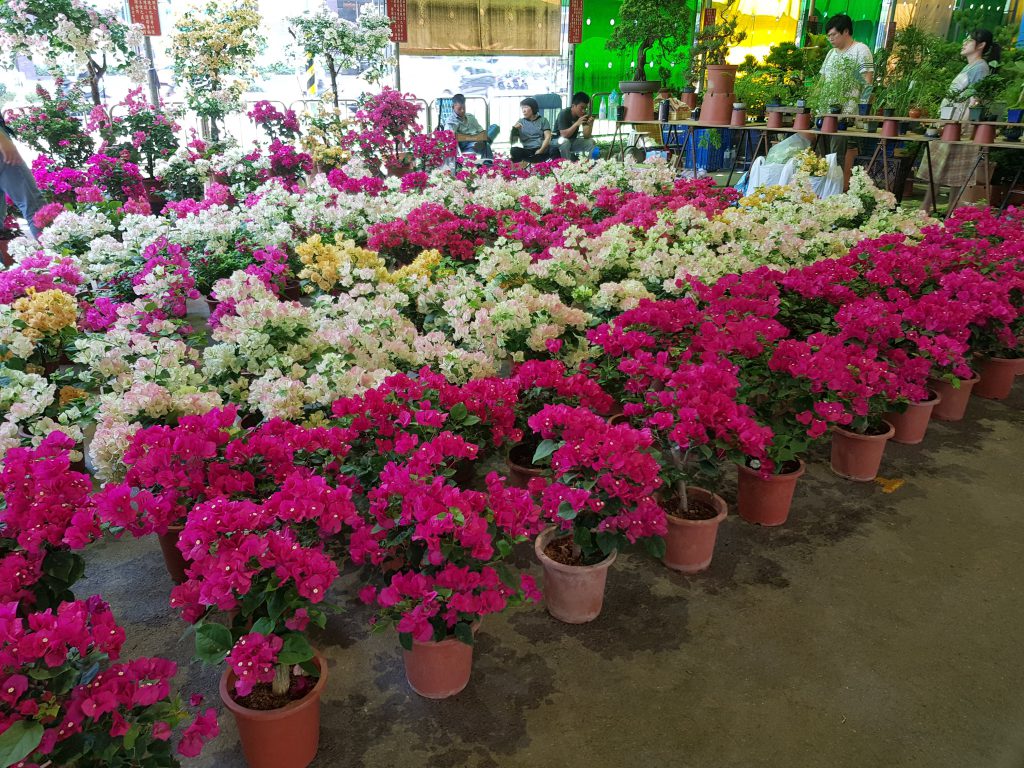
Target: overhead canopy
(499,27)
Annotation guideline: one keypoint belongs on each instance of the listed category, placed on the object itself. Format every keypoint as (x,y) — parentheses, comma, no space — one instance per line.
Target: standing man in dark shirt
(16,180)
(573,127)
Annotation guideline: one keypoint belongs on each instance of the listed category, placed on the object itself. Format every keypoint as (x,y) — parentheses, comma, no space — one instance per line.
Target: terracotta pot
(639,106)
(912,424)
(802,121)
(438,670)
(951,132)
(716,108)
(890,128)
(520,471)
(954,400)
(739,118)
(765,501)
(997,374)
(572,593)
(173,559)
(856,456)
(984,133)
(689,544)
(689,98)
(829,124)
(278,738)
(774,119)
(914,113)
(5,255)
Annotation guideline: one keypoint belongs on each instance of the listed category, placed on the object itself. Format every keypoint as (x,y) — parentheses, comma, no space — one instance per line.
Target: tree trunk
(95,73)
(333,69)
(641,60)
(282,679)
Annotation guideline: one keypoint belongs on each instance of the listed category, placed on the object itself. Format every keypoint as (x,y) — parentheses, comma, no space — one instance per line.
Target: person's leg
(582,147)
(518,154)
(564,148)
(483,149)
(17,182)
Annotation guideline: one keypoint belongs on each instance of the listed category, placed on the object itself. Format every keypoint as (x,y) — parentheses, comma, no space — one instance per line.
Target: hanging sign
(146,14)
(709,17)
(398,12)
(575,21)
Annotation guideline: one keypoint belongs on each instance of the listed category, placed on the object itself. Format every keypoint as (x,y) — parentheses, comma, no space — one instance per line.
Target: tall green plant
(715,40)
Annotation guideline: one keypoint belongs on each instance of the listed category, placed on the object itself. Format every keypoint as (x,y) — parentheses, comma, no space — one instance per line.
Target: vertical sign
(575,21)
(709,17)
(145,13)
(398,11)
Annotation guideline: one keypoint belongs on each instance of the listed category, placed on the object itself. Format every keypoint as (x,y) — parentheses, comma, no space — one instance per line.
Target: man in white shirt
(839,31)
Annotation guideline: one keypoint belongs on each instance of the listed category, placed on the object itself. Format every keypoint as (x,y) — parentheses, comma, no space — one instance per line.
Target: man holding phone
(573,128)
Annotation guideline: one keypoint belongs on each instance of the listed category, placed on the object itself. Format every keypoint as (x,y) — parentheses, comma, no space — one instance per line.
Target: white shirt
(865,63)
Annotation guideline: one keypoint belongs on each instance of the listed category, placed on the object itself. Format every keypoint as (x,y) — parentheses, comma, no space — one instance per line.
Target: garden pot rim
(935,397)
(550,533)
(311,697)
(474,627)
(776,478)
(975,378)
(860,436)
(716,520)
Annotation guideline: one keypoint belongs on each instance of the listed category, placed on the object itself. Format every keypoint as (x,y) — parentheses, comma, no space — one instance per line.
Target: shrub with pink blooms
(604,479)
(65,703)
(437,548)
(48,515)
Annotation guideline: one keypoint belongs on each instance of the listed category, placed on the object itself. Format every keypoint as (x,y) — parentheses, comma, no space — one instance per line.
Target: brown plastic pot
(173,559)
(690,544)
(519,471)
(951,132)
(774,119)
(856,456)
(572,593)
(802,121)
(438,670)
(997,375)
(287,737)
(954,400)
(984,133)
(765,500)
(912,424)
(5,256)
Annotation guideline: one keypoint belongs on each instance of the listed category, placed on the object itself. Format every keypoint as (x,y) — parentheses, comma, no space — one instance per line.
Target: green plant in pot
(711,48)
(647,29)
(836,90)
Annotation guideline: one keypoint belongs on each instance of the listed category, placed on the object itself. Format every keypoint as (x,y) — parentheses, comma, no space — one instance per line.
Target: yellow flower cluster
(68,393)
(324,262)
(425,265)
(764,196)
(46,312)
(812,164)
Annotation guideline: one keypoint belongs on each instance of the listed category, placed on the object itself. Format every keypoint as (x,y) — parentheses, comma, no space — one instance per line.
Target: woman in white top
(952,163)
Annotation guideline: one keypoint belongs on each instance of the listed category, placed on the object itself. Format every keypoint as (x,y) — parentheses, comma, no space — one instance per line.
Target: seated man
(468,132)
(573,127)
(534,132)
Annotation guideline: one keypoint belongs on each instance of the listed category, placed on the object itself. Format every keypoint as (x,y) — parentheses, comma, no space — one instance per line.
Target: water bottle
(613,102)
(602,112)
(664,110)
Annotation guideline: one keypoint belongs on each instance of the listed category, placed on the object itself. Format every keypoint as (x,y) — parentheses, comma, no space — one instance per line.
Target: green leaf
(464,633)
(129,738)
(19,741)
(405,638)
(545,449)
(276,604)
(608,541)
(504,548)
(459,412)
(296,649)
(655,546)
(213,643)
(508,578)
(264,626)
(566,511)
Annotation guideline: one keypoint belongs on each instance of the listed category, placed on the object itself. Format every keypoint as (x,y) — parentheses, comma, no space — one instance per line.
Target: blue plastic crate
(709,157)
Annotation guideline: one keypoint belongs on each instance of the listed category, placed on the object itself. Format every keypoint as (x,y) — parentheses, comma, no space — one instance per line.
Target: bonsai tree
(72,35)
(715,40)
(649,25)
(341,45)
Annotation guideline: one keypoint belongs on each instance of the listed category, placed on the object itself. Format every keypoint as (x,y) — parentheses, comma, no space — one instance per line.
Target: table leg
(955,199)
(1010,189)
(931,174)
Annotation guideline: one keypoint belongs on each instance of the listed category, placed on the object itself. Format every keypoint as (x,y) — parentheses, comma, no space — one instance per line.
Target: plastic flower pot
(572,593)
(1014,115)
(856,456)
(438,670)
(739,116)
(765,500)
(912,424)
(954,400)
(287,737)
(829,124)
(5,256)
(951,132)
(690,544)
(520,468)
(173,559)
(984,133)
(774,119)
(890,128)
(802,121)
(997,375)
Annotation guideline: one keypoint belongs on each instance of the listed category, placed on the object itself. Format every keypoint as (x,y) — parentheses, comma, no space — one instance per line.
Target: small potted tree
(648,28)
(711,48)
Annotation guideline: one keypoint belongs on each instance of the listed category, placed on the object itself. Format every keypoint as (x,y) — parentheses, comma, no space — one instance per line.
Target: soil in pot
(520,464)
(263,698)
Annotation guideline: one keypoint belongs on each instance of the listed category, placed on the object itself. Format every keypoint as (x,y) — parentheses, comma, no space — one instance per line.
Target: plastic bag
(824,186)
(763,174)
(784,150)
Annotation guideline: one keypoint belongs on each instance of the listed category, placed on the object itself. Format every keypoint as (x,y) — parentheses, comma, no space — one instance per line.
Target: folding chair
(550,104)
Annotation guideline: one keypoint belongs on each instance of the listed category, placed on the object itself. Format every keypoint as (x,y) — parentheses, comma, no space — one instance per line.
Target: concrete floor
(873,629)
